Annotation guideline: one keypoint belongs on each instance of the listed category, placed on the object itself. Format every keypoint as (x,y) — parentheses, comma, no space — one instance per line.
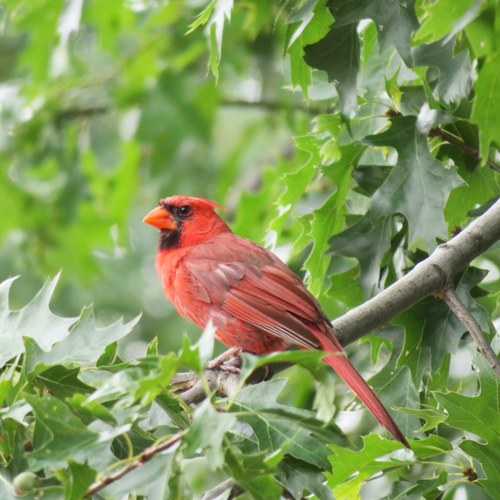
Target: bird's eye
(185,210)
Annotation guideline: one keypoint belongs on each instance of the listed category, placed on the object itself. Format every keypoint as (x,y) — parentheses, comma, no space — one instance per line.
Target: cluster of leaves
(392,105)
(73,414)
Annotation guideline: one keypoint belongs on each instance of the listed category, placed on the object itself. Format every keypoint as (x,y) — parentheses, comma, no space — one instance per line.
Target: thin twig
(276,106)
(450,296)
(141,459)
(218,490)
(438,132)
(82,112)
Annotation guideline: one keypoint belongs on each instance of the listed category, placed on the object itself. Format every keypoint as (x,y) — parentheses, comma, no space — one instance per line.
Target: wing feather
(250,283)
(270,319)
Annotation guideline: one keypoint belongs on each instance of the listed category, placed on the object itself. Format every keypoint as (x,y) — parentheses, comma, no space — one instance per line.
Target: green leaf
(207,432)
(432,416)
(345,288)
(430,446)
(90,409)
(414,355)
(253,474)
(481,33)
(84,344)
(135,383)
(367,241)
(108,356)
(308,23)
(479,415)
(362,464)
(299,69)
(296,182)
(198,355)
(489,458)
(394,387)
(338,54)
(308,359)
(481,186)
(395,23)
(392,89)
(214,16)
(202,17)
(327,221)
(34,320)
(417,187)
(17,412)
(300,477)
(486,108)
(455,73)
(423,488)
(7,490)
(438,19)
(370,177)
(277,426)
(82,476)
(67,435)
(62,382)
(152,349)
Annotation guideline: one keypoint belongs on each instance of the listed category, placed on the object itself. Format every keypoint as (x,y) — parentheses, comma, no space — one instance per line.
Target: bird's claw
(218,362)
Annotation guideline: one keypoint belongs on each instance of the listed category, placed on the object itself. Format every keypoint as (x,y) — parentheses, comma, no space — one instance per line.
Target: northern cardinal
(255,301)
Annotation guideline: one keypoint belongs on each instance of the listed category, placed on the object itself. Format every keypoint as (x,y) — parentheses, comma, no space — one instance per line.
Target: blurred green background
(106,107)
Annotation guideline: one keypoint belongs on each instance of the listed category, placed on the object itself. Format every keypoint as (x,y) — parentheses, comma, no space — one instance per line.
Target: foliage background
(108,107)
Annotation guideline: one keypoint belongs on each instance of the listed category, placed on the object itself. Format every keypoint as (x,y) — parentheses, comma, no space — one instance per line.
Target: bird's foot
(218,362)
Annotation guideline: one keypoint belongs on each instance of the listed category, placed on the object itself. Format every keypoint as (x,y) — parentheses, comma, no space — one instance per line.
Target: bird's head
(185,221)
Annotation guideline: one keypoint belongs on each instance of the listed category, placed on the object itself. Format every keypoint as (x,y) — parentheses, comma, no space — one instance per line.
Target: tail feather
(355,381)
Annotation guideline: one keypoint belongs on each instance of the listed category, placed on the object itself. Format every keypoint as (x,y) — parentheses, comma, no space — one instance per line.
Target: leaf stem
(440,464)
(447,452)
(129,445)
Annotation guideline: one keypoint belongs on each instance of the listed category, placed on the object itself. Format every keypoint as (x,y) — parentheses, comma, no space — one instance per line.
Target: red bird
(254,300)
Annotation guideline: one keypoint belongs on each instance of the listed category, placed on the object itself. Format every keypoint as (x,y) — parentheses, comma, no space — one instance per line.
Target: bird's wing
(250,283)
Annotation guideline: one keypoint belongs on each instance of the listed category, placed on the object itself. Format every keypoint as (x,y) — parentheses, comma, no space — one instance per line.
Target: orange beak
(160,218)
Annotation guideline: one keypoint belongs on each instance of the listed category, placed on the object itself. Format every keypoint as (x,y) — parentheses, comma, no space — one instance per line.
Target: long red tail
(353,379)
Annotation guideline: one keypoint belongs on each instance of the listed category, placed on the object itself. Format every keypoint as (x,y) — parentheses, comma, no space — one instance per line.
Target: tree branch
(451,297)
(438,132)
(277,106)
(221,381)
(427,278)
(140,460)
